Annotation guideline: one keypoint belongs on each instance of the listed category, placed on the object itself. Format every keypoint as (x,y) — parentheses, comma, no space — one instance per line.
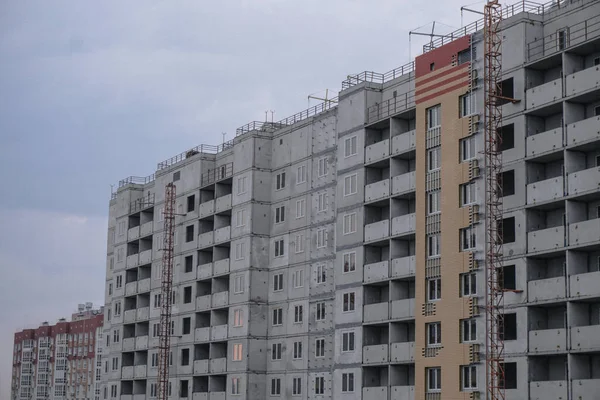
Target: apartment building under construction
(340,252)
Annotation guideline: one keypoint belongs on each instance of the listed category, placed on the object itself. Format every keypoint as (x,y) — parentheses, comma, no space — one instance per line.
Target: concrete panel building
(339,253)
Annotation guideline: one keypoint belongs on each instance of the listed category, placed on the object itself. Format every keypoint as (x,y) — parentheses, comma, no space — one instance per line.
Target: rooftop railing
(217,174)
(141,203)
(389,107)
(377,77)
(138,180)
(203,148)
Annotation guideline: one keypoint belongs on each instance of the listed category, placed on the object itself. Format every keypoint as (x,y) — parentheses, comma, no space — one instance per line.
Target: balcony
(133,233)
(219,332)
(133,260)
(548,390)
(585,388)
(223,234)
(584,232)
(129,316)
(546,239)
(377,190)
(544,142)
(544,94)
(141,343)
(129,343)
(377,230)
(583,131)
(144,285)
(130,289)
(403,352)
(127,373)
(403,309)
(585,338)
(376,354)
(375,393)
(403,267)
(220,299)
(143,313)
(402,184)
(376,271)
(218,365)
(377,151)
(376,312)
(546,190)
(402,393)
(218,395)
(223,203)
(221,267)
(546,289)
(202,334)
(203,302)
(585,285)
(403,225)
(207,209)
(582,81)
(205,271)
(548,341)
(140,371)
(146,229)
(403,143)
(206,239)
(146,257)
(201,366)
(587,180)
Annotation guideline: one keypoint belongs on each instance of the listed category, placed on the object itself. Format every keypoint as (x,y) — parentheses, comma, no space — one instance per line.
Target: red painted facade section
(441,57)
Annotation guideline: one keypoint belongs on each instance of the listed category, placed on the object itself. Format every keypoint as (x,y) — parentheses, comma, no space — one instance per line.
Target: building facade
(339,253)
(59,361)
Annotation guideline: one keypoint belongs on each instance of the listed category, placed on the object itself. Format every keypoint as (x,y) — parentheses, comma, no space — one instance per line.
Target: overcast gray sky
(92,92)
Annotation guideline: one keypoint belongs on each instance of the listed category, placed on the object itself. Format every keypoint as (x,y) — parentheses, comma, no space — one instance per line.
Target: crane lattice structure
(166,297)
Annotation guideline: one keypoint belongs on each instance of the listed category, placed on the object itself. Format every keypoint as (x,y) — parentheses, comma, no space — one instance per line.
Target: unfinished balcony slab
(548,390)
(223,234)
(129,344)
(203,302)
(376,354)
(546,289)
(376,272)
(133,233)
(221,267)
(127,372)
(143,313)
(404,143)
(200,396)
(206,239)
(584,131)
(130,288)
(146,257)
(546,239)
(146,229)
(206,209)
(133,260)
(139,371)
(402,393)
(218,365)
(201,366)
(403,267)
(377,312)
(205,271)
(585,181)
(402,352)
(220,299)
(202,334)
(546,93)
(375,393)
(585,389)
(377,191)
(585,285)
(143,285)
(545,142)
(546,190)
(403,225)
(141,343)
(377,151)
(585,338)
(548,341)
(129,316)
(403,309)
(584,232)
(377,230)
(223,203)
(582,81)
(403,184)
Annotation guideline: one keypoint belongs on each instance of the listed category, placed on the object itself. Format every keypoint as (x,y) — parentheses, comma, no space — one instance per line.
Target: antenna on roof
(326,99)
(223,133)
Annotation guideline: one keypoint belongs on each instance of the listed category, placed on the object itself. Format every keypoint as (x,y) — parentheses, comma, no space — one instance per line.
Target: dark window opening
(596,61)
(191,203)
(596,111)
(176,176)
(507,133)
(188,264)
(508,183)
(464,56)
(187,294)
(510,376)
(432,66)
(561,38)
(508,327)
(506,230)
(189,233)
(507,277)
(507,91)
(184,383)
(186,329)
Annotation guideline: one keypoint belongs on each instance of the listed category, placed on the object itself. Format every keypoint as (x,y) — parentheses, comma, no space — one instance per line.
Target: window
(321,273)
(299,243)
(237,352)
(433,202)
(464,56)
(275,386)
(240,218)
(321,238)
(432,67)
(322,198)
(117,309)
(155,330)
(434,379)
(320,385)
(238,317)
(157,300)
(508,328)
(296,386)
(241,185)
(277,316)
(280,181)
(323,167)
(185,356)
(279,249)
(276,351)
(297,350)
(240,251)
(115,363)
(279,214)
(186,326)
(467,149)
(507,133)
(433,159)
(562,38)
(348,341)
(113,391)
(507,277)
(239,284)
(298,314)
(510,376)
(468,377)
(468,194)
(434,117)
(467,238)
(506,228)
(320,315)
(468,284)
(187,295)
(189,233)
(349,223)
(119,281)
(466,104)
(154,360)
(434,334)
(300,208)
(350,184)
(434,289)
(468,328)
(350,146)
(320,347)
(298,278)
(347,382)
(110,289)
(191,203)
(301,174)
(235,385)
(176,176)
(433,245)
(349,301)
(188,264)
(349,262)
(277,282)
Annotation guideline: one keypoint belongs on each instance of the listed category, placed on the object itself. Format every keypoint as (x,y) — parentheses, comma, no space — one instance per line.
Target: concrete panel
(376,312)
(583,285)
(404,183)
(374,393)
(140,371)
(376,354)
(203,302)
(147,229)
(584,232)
(127,373)
(403,267)
(587,180)
(219,332)
(403,225)
(146,257)
(143,313)
(133,260)
(129,344)
(549,189)
(402,352)
(377,230)
(403,309)
(217,395)
(583,131)
(220,299)
(548,341)
(223,234)
(376,271)
(402,393)
(130,289)
(221,267)
(133,233)
(205,271)
(141,343)
(201,366)
(223,203)
(548,390)
(546,289)
(144,285)
(207,208)
(202,334)
(582,81)
(377,151)
(546,239)
(129,316)
(544,142)
(544,94)
(585,389)
(218,365)
(403,143)
(206,239)
(199,396)
(377,190)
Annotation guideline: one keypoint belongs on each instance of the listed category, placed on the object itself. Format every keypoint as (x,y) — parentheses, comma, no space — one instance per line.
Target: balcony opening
(203,288)
(552,316)
(220,317)
(176,176)
(507,277)
(144,272)
(549,368)
(203,319)
(507,133)
(545,268)
(127,360)
(188,264)
(550,167)
(207,194)
(185,357)
(183,385)
(218,350)
(510,376)
(200,384)
(375,377)
(402,332)
(201,351)
(506,230)
(402,375)
(376,294)
(507,90)
(187,295)
(508,183)
(131,275)
(205,256)
(508,329)
(191,203)
(134,221)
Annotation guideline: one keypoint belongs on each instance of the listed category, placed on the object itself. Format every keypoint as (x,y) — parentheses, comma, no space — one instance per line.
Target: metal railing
(217,174)
(575,34)
(258,126)
(138,180)
(203,148)
(142,203)
(390,107)
(377,77)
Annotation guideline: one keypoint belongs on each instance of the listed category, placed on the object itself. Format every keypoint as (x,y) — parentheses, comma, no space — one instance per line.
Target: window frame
(348,341)
(301,174)
(350,223)
(350,146)
(350,184)
(349,302)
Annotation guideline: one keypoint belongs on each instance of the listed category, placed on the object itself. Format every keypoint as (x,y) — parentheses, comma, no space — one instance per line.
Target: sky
(92,92)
